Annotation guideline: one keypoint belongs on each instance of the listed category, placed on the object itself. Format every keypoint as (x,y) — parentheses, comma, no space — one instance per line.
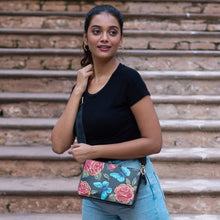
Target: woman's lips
(104,47)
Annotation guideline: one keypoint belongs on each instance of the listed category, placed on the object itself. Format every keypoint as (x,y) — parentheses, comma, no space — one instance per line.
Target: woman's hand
(81,152)
(82,78)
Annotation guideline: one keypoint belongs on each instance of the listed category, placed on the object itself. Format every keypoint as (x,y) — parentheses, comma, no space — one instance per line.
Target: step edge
(195,216)
(74,216)
(125,14)
(205,155)
(145,74)
(63,97)
(196,154)
(172,125)
(43,186)
(34,216)
(127,32)
(194,187)
(190,125)
(126,52)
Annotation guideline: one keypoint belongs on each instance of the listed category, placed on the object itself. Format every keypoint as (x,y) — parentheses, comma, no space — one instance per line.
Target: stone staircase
(175,45)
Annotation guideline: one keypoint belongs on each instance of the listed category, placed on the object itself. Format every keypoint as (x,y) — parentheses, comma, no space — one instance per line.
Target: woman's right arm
(62,135)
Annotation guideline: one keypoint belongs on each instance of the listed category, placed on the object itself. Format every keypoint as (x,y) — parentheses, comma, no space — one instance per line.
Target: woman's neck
(102,73)
(104,69)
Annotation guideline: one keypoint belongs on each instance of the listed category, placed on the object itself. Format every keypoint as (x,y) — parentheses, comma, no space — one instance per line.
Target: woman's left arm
(149,143)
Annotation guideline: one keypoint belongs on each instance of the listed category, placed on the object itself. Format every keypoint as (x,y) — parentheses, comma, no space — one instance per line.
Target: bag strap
(81,137)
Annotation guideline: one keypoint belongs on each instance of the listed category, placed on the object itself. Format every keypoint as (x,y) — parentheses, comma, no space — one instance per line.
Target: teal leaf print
(112,198)
(85,174)
(106,176)
(134,181)
(128,182)
(93,192)
(98,176)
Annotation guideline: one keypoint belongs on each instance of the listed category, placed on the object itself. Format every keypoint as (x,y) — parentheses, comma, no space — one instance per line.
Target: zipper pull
(81,101)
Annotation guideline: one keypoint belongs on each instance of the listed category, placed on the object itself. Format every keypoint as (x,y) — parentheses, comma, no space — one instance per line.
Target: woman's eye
(113,32)
(96,32)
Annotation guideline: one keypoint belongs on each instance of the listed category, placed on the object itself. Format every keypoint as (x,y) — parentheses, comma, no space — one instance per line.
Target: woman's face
(103,36)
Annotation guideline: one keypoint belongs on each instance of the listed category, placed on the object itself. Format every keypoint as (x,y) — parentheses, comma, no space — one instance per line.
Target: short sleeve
(136,88)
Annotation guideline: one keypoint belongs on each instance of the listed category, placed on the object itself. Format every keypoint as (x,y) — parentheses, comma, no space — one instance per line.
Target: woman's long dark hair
(87,56)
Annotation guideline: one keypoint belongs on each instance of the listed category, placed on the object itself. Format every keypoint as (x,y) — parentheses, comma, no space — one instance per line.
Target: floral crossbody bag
(105,181)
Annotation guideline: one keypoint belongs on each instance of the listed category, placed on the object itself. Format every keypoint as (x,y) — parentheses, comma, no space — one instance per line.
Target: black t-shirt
(107,117)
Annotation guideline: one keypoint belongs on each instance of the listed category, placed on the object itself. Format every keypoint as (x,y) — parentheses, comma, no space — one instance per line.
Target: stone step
(156,75)
(189,139)
(171,139)
(69,59)
(158,82)
(176,133)
(167,125)
(131,14)
(70,52)
(43,217)
(136,21)
(147,6)
(127,33)
(39,161)
(34,195)
(181,195)
(195,217)
(51,105)
(64,38)
(36,161)
(46,153)
(10,97)
(79,217)
(187,163)
(126,15)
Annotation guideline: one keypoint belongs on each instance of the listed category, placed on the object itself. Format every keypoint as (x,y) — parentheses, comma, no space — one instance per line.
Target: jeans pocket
(159,189)
(154,183)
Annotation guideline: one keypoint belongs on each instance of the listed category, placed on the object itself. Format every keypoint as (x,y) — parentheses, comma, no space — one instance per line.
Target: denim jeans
(150,204)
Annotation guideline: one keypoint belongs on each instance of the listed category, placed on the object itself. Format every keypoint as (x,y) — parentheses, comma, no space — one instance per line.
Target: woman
(119,119)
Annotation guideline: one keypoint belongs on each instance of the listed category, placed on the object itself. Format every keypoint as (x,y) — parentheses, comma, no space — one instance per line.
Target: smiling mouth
(104,47)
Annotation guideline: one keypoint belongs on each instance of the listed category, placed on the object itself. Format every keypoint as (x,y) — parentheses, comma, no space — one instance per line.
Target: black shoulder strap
(81,138)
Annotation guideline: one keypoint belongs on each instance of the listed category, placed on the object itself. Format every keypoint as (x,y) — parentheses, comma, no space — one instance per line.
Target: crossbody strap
(81,138)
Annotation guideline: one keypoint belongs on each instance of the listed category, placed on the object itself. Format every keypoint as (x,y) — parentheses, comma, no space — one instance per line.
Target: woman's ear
(85,41)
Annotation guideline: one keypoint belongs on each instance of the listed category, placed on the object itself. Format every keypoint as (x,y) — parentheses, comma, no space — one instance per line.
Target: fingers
(83,76)
(75,146)
(79,152)
(77,155)
(90,70)
(86,71)
(89,67)
(72,147)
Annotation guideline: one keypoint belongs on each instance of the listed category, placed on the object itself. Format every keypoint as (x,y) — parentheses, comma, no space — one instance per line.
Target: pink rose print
(93,167)
(112,166)
(84,188)
(124,193)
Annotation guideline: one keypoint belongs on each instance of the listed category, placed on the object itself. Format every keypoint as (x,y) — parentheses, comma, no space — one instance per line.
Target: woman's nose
(104,36)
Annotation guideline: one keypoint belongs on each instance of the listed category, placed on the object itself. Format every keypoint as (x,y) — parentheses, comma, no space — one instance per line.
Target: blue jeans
(150,204)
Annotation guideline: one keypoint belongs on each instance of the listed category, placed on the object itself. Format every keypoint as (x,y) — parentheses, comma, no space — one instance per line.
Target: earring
(85,47)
